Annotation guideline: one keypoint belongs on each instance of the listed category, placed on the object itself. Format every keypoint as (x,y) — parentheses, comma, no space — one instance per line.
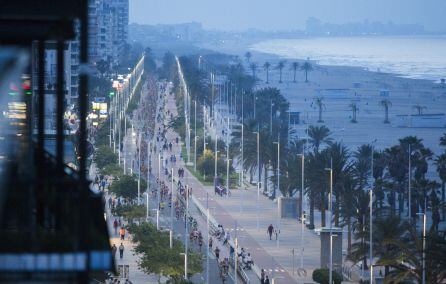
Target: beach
(339,86)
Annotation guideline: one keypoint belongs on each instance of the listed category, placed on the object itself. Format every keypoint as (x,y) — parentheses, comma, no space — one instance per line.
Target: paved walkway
(230,222)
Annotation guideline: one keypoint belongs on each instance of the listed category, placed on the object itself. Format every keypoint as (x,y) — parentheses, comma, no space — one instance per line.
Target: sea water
(419,57)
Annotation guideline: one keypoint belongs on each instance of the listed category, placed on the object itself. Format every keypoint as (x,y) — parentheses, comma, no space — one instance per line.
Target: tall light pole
(149,148)
(371,215)
(301,213)
(186,235)
(330,281)
(139,167)
(242,162)
(215,166)
(147,206)
(278,166)
(278,187)
(171,209)
(227,174)
(195,152)
(207,228)
(423,275)
(410,181)
(258,180)
(159,180)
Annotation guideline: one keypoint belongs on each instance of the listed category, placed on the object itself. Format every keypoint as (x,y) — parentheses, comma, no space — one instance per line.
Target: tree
(322,276)
(253,67)
(354,107)
(126,186)
(104,156)
(406,260)
(319,135)
(306,67)
(157,257)
(266,66)
(386,104)
(443,140)
(206,165)
(319,101)
(419,109)
(248,56)
(294,66)
(280,67)
(440,162)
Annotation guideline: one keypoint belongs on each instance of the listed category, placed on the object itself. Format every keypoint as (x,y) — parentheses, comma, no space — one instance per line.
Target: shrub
(321,276)
(104,156)
(126,186)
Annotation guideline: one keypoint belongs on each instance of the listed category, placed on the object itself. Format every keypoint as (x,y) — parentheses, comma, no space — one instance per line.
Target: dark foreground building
(52,226)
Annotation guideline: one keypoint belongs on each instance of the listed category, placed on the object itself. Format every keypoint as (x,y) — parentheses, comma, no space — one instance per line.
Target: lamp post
(147,205)
(186,234)
(195,152)
(278,187)
(171,209)
(215,166)
(330,277)
(139,167)
(423,275)
(157,218)
(149,148)
(302,215)
(158,195)
(278,166)
(371,214)
(227,174)
(258,179)
(410,181)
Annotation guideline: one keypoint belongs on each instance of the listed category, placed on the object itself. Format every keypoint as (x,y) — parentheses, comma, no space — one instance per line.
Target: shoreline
(342,85)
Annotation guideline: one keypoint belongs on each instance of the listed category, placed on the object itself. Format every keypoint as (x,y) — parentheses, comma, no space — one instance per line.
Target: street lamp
(215,167)
(195,152)
(171,208)
(258,179)
(371,214)
(185,264)
(410,181)
(330,281)
(157,218)
(423,279)
(147,205)
(278,187)
(227,174)
(278,167)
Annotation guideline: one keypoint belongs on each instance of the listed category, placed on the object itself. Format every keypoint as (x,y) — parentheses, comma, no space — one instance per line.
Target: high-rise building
(112,18)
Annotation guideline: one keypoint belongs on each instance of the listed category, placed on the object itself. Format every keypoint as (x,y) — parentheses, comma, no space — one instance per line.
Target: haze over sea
(419,57)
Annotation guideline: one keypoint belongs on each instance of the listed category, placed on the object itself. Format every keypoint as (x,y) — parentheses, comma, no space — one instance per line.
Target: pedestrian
(217,253)
(210,243)
(122,233)
(121,251)
(262,276)
(110,200)
(266,280)
(277,232)
(114,249)
(270,230)
(115,226)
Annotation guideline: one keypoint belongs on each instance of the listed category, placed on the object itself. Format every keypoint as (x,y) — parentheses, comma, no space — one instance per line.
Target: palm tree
(354,107)
(253,67)
(294,66)
(319,101)
(306,67)
(419,108)
(316,182)
(267,65)
(386,104)
(248,56)
(342,170)
(319,135)
(443,140)
(406,259)
(440,162)
(280,67)
(385,232)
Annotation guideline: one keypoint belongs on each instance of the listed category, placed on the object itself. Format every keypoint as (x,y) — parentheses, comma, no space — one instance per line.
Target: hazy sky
(286,14)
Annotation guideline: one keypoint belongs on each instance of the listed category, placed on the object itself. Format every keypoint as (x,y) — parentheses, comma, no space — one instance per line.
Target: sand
(404,94)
